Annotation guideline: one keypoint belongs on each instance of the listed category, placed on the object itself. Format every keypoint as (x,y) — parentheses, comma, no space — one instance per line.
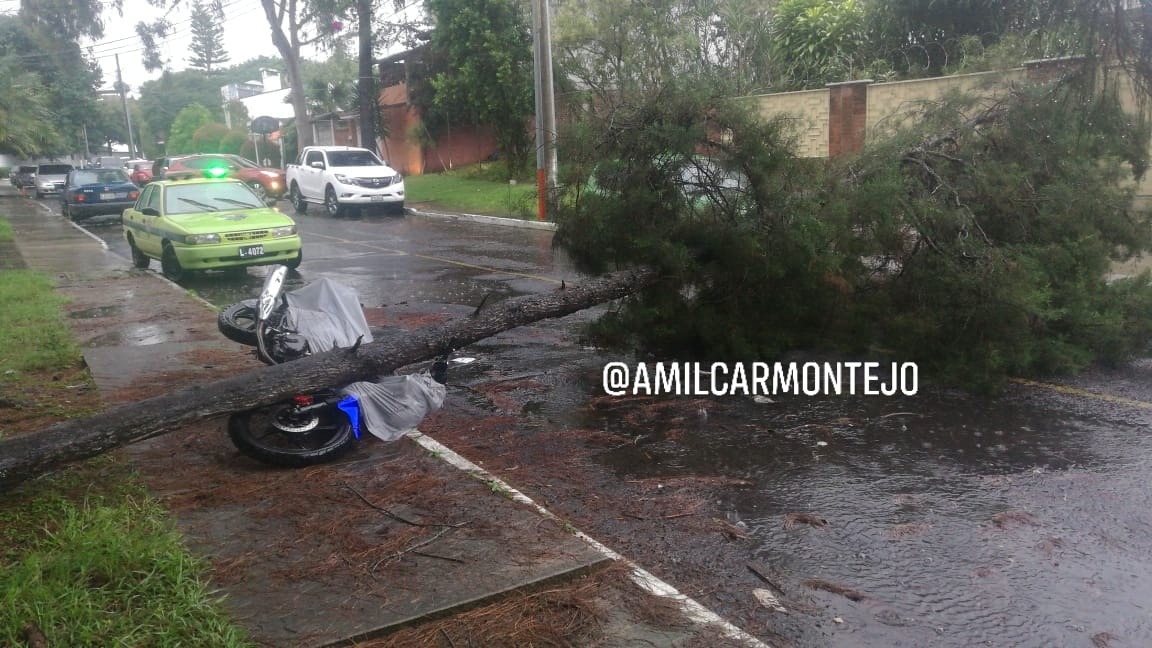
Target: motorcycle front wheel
(238,321)
(281,436)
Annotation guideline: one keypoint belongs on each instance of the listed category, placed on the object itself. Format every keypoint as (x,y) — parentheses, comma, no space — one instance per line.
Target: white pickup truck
(343,177)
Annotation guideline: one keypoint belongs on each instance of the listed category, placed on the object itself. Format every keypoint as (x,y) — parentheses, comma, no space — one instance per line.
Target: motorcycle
(321,425)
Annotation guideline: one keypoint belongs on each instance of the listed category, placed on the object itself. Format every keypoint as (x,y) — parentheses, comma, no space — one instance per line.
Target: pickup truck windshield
(352,158)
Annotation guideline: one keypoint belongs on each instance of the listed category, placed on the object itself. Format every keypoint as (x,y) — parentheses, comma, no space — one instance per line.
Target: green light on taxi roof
(216,171)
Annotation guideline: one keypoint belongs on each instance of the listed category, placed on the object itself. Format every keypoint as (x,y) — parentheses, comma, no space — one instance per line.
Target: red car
(139,171)
(267,182)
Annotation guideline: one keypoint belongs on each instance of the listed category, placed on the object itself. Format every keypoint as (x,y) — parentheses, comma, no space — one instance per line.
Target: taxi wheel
(297,200)
(332,204)
(170,265)
(295,263)
(139,259)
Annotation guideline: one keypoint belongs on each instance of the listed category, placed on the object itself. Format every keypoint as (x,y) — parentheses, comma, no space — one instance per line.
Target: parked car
(343,177)
(206,224)
(267,182)
(24,176)
(50,178)
(139,171)
(703,183)
(91,192)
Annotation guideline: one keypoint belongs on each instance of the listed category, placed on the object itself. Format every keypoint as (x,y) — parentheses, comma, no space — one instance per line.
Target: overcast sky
(246,36)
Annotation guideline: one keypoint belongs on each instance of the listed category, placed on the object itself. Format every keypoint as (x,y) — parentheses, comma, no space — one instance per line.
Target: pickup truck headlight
(202,239)
(281,232)
(342,179)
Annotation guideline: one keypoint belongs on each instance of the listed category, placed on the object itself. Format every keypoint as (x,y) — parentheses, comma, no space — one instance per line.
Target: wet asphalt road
(392,259)
(1023,520)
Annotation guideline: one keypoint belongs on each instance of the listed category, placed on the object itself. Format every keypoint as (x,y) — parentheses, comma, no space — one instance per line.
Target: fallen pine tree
(30,455)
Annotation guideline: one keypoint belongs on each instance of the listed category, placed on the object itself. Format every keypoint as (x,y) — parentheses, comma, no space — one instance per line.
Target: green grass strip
(33,334)
(85,554)
(110,574)
(472,191)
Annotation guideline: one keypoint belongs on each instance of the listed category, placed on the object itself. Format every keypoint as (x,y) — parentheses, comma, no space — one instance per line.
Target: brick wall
(847,116)
(403,150)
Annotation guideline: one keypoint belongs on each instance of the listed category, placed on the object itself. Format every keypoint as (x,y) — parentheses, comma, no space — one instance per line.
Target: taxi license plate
(376,198)
(251,251)
(113,196)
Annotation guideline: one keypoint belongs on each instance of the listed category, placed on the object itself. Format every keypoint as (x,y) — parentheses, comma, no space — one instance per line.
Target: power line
(130,48)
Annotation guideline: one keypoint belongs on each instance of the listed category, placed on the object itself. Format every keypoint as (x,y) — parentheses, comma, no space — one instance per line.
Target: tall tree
(162,99)
(207,38)
(184,127)
(27,125)
(608,50)
(817,41)
(293,23)
(483,53)
(69,19)
(45,37)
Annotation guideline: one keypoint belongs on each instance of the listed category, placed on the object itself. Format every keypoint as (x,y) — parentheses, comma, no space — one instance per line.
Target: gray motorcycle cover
(395,405)
(327,314)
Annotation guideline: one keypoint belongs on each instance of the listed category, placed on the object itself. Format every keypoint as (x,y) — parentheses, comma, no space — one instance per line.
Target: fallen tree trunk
(24,457)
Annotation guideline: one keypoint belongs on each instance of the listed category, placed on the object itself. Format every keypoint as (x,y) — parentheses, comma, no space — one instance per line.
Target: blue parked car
(90,192)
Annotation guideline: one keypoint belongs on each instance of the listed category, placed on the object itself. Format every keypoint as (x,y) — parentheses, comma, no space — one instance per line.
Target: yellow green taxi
(207,224)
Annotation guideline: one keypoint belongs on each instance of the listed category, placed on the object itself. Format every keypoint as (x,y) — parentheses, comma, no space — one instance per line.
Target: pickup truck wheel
(297,200)
(332,204)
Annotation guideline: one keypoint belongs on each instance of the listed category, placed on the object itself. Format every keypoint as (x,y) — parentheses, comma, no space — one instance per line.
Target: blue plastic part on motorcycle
(351,406)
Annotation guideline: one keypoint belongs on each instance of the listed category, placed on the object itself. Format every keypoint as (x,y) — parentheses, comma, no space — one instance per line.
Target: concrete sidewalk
(390,536)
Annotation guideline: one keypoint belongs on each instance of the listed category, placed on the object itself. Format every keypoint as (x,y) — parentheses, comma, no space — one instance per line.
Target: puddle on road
(134,335)
(97,312)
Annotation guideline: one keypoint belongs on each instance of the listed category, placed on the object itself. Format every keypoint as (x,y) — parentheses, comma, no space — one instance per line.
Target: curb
(487,220)
(647,581)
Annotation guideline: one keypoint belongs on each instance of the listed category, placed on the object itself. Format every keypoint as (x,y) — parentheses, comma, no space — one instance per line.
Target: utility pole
(545,106)
(124,102)
(367,86)
(87,151)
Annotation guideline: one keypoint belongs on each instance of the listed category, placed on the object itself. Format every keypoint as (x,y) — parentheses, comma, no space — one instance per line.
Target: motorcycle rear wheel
(276,435)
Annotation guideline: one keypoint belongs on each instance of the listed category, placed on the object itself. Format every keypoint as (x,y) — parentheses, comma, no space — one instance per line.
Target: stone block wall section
(838,119)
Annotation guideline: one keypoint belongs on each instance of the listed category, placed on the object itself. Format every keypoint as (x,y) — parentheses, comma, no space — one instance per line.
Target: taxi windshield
(208,196)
